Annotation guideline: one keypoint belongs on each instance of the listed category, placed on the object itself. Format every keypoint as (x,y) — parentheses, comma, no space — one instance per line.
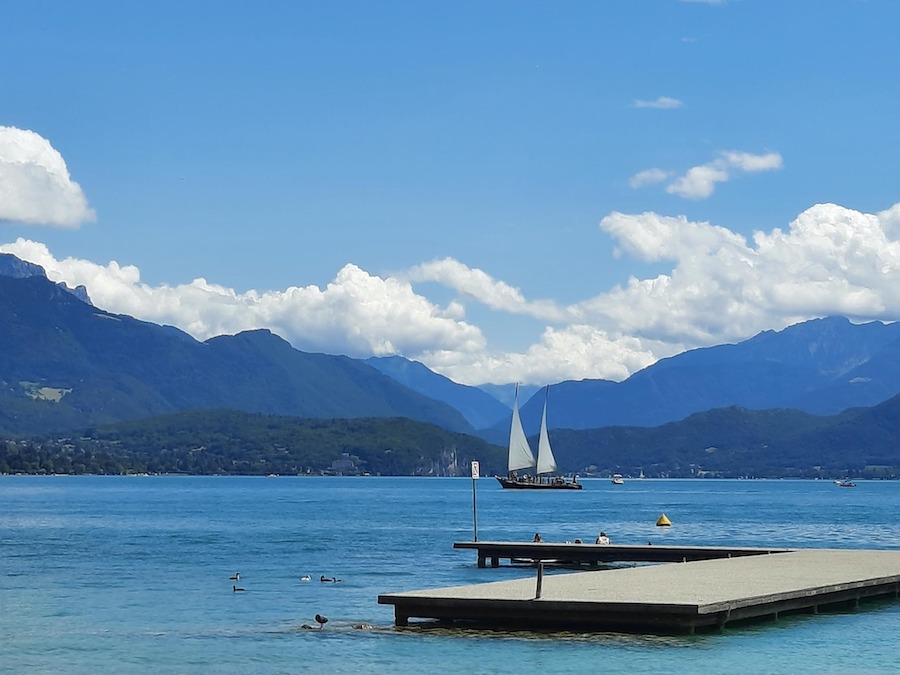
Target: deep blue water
(130,574)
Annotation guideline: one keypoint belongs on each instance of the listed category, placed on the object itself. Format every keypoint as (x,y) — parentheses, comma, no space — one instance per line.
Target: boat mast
(546,462)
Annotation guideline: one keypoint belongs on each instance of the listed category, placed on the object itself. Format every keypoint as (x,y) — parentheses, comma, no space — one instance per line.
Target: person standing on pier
(603,539)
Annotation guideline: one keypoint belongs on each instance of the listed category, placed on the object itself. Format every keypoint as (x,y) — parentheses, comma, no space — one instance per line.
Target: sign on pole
(474,503)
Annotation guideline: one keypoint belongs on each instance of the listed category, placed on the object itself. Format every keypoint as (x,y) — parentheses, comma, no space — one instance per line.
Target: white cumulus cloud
(651,237)
(648,177)
(699,182)
(571,352)
(35,185)
(745,161)
(661,103)
(830,261)
(480,286)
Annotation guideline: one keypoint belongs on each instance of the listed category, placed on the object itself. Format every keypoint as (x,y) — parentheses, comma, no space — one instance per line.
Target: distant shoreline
(594,479)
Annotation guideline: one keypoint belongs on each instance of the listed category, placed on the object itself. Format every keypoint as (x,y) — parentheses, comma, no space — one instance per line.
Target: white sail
(546,462)
(520,455)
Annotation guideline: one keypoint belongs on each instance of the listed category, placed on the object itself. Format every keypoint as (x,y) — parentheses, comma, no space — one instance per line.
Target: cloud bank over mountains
(718,287)
(721,288)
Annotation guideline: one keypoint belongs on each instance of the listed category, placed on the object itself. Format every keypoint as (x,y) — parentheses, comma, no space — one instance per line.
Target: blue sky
(505,191)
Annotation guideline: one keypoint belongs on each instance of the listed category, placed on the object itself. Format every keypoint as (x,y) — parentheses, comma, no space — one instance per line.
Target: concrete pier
(668,598)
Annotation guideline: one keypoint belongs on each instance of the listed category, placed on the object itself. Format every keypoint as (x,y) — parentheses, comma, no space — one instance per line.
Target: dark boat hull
(514,484)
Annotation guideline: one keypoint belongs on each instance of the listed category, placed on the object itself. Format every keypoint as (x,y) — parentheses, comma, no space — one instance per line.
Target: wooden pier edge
(597,554)
(802,582)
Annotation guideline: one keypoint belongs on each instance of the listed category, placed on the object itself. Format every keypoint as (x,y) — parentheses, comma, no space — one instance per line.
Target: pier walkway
(669,598)
(596,554)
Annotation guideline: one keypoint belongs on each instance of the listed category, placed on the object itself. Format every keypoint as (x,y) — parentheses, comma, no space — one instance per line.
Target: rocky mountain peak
(12,266)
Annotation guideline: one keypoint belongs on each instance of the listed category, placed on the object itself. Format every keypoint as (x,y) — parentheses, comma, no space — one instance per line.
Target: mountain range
(822,367)
(65,364)
(480,408)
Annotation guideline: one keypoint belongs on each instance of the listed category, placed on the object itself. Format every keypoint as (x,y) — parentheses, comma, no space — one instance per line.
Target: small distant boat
(521,458)
(846,482)
(617,479)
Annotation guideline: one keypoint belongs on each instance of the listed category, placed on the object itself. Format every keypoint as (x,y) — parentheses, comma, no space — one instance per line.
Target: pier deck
(598,554)
(670,598)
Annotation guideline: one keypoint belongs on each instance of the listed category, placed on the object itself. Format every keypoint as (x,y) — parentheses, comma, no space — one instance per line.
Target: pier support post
(482,560)
(724,620)
(540,581)
(495,561)
(400,619)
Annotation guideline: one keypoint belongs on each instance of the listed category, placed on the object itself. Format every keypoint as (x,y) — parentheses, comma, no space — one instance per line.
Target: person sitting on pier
(537,536)
(603,539)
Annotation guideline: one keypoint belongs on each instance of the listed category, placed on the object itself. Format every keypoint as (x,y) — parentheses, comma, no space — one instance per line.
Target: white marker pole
(474,509)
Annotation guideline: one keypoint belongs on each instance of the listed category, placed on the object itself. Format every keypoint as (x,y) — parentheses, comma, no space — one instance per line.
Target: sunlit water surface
(131,574)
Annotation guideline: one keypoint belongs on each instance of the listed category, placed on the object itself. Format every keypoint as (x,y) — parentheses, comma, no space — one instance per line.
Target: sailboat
(522,459)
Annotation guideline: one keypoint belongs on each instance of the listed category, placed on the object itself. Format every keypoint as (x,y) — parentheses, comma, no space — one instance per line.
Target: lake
(131,574)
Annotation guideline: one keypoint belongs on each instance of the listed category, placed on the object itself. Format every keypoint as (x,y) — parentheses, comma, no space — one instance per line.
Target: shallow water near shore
(131,574)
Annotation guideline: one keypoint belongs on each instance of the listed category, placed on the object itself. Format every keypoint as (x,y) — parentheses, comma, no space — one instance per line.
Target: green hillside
(731,442)
(228,442)
(736,442)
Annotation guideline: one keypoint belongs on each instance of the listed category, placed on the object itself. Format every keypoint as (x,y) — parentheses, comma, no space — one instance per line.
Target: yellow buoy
(663,521)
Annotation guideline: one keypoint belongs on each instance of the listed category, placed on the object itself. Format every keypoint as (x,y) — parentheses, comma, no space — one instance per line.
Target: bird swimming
(306,577)
(235,589)
(322,620)
(236,577)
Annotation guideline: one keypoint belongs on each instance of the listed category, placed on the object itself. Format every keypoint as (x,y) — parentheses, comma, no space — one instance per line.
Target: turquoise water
(130,574)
